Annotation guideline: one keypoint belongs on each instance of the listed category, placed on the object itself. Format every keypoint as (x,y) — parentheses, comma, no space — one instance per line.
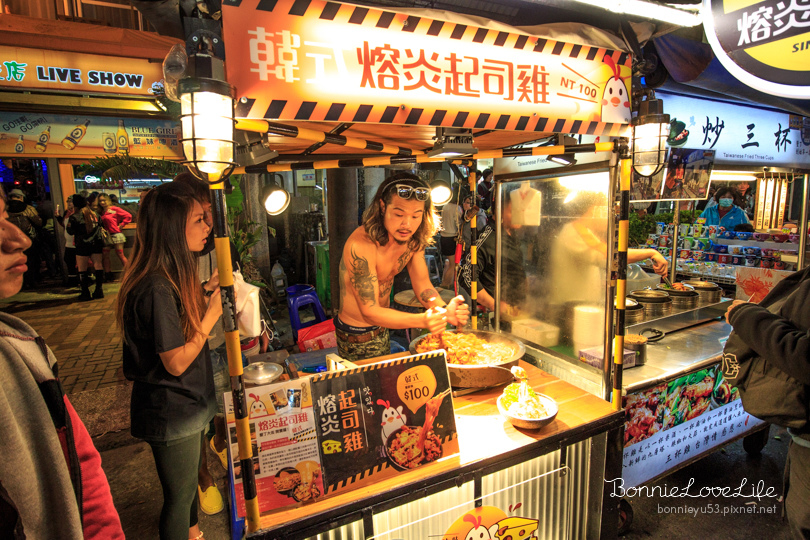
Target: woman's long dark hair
(374,219)
(161,248)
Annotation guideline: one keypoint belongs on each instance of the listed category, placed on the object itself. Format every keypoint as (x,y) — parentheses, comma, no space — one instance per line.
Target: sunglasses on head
(406,191)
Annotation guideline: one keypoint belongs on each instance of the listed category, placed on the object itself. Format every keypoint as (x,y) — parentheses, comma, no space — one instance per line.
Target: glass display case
(553,268)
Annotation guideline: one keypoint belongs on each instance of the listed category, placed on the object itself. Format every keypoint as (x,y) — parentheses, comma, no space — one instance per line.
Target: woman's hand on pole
(213,282)
(214,309)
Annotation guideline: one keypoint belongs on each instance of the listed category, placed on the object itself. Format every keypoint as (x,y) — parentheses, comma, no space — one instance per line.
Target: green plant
(644,225)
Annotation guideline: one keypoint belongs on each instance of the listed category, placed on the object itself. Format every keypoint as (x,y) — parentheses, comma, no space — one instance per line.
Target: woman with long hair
(113,219)
(85,228)
(166,316)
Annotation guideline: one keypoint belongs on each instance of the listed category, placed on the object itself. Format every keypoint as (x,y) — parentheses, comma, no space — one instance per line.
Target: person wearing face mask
(725,213)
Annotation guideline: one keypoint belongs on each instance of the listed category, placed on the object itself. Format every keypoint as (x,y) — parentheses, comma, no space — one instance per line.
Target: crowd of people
(168,310)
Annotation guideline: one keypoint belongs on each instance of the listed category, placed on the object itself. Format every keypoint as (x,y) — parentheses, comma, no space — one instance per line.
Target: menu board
(380,419)
(343,429)
(286,459)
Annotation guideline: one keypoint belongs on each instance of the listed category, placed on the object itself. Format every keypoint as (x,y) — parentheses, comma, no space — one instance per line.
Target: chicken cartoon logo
(392,419)
(257,407)
(478,531)
(615,96)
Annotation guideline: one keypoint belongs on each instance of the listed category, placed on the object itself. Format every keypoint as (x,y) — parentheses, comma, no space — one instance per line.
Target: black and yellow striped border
(378,365)
(263,106)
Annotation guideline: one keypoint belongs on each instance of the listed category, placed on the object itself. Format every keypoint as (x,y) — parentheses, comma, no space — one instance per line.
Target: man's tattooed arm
(362,279)
(429,294)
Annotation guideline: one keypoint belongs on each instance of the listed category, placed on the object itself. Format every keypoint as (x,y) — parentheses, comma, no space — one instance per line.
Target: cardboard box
(534,331)
(593,357)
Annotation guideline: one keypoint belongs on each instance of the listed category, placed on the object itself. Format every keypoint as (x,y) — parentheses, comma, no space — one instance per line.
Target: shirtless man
(397,226)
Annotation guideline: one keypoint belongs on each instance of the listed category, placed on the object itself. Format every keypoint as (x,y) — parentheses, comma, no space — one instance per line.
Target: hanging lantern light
(207,120)
(650,132)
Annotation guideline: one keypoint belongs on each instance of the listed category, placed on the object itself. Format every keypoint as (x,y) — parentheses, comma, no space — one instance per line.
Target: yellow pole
(223,247)
(474,251)
(621,281)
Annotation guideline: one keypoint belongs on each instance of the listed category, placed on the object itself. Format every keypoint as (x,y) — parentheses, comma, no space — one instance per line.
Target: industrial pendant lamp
(207,117)
(275,198)
(650,131)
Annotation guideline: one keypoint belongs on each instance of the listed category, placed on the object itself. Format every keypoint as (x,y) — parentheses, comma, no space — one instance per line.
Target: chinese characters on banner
(48,135)
(675,422)
(284,443)
(763,43)
(315,435)
(370,419)
(339,62)
(738,134)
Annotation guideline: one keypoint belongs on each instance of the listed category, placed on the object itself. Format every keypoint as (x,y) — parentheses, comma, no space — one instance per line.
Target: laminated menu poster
(284,441)
(381,419)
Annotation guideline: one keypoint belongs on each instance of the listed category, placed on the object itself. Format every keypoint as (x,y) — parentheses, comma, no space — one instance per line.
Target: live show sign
(22,68)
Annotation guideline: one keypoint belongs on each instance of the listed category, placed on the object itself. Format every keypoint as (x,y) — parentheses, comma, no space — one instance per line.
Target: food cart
(677,405)
(353,80)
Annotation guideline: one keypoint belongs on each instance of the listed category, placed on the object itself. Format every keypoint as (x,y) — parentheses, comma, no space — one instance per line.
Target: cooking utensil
(666,281)
(261,373)
(709,292)
(646,296)
(467,376)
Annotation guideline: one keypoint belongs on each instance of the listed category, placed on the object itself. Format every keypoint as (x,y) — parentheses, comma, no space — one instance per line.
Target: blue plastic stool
(434,269)
(299,296)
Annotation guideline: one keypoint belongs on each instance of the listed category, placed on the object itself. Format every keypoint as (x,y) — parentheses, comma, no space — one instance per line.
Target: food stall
(678,407)
(385,88)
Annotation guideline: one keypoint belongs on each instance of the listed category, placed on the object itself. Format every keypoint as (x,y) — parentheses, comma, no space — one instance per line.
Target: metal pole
(474,249)
(610,286)
(223,247)
(621,275)
(803,225)
(498,253)
(673,254)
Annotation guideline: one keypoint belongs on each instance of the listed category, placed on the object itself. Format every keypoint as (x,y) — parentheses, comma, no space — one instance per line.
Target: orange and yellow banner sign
(77,72)
(327,61)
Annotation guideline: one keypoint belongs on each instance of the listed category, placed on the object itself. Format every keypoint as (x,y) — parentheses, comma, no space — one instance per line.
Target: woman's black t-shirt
(163,407)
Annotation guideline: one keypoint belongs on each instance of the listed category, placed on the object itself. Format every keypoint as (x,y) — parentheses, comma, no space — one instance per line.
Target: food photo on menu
(384,420)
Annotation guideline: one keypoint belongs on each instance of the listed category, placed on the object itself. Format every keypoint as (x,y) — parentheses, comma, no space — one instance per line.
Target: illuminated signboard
(338,62)
(763,43)
(36,135)
(77,72)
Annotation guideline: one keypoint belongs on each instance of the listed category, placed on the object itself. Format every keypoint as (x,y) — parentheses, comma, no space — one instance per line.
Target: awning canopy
(49,34)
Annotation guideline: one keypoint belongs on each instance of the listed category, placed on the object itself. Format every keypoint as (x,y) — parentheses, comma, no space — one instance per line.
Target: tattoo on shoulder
(362,279)
(428,294)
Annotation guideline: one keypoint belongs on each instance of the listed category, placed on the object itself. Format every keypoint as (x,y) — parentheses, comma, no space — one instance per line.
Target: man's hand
(458,312)
(436,319)
(660,265)
(734,304)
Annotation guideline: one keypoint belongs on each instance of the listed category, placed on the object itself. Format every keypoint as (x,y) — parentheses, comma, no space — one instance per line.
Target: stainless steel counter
(678,353)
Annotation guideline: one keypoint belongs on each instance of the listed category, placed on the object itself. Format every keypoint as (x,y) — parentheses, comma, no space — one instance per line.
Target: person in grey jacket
(778,330)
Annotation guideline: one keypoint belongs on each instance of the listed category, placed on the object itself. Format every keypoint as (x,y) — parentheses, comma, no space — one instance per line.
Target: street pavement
(87,343)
